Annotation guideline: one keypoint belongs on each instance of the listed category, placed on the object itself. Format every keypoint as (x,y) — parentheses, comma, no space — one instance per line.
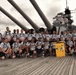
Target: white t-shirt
(53,45)
(32,46)
(5,46)
(36,36)
(42,36)
(14,36)
(39,44)
(46,45)
(7,34)
(74,36)
(70,43)
(58,36)
(47,36)
(22,36)
(65,36)
(62,36)
(25,43)
(30,36)
(0,36)
(18,35)
(16,46)
(69,35)
(53,36)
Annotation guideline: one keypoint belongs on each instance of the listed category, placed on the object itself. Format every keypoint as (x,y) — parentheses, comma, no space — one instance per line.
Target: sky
(49,7)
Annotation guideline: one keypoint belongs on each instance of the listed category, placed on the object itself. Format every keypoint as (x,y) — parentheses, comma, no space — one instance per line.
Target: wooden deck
(39,66)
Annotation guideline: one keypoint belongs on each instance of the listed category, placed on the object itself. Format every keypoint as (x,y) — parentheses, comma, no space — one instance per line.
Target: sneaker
(34,56)
(43,55)
(27,55)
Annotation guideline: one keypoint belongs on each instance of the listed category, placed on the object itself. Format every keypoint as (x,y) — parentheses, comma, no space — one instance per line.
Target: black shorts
(53,50)
(31,52)
(68,48)
(47,51)
(39,50)
(2,54)
(16,53)
(23,51)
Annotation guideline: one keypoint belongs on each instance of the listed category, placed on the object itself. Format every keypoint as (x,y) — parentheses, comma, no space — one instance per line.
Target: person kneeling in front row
(5,49)
(16,47)
(33,48)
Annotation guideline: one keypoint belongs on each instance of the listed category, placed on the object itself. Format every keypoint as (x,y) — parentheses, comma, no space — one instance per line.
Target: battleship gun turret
(23,14)
(13,19)
(47,23)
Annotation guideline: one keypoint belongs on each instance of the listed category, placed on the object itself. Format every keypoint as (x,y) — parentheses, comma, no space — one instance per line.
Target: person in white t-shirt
(70,46)
(1,38)
(22,36)
(33,48)
(57,35)
(41,35)
(46,47)
(47,35)
(18,34)
(25,45)
(39,45)
(5,49)
(7,34)
(74,35)
(53,36)
(36,36)
(16,47)
(74,46)
(14,35)
(30,36)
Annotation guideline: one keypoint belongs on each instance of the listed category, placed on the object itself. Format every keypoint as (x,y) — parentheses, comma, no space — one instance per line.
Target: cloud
(5,20)
(7,23)
(52,12)
(49,7)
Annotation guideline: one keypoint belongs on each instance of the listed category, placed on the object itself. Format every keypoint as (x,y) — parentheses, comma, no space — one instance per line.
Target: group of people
(32,44)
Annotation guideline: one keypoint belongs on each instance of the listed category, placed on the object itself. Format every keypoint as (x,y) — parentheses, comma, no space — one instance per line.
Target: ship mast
(66,3)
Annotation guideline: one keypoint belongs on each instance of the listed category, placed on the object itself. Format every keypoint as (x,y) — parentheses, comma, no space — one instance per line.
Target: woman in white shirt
(33,48)
(16,47)
(70,46)
(46,47)
(39,45)
(25,45)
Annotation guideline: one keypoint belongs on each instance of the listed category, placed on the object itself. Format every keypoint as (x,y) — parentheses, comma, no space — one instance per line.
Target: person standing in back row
(7,34)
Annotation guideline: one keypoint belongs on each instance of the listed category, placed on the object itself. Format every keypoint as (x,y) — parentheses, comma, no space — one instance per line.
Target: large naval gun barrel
(47,23)
(13,19)
(24,15)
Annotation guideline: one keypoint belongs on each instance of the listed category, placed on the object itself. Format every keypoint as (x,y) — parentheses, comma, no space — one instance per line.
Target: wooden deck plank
(52,66)
(71,68)
(68,66)
(44,69)
(64,68)
(33,67)
(74,70)
(16,67)
(39,66)
(12,63)
(60,70)
(55,67)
